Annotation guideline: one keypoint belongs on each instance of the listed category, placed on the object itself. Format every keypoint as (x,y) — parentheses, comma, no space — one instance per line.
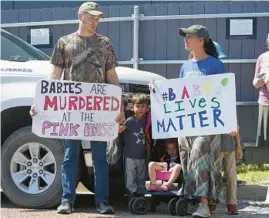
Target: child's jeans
(135,172)
(229,166)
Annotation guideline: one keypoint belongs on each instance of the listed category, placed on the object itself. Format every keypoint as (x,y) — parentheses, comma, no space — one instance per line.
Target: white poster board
(204,105)
(76,110)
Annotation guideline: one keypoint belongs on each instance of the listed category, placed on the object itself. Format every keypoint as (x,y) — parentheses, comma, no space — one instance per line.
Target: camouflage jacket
(84,59)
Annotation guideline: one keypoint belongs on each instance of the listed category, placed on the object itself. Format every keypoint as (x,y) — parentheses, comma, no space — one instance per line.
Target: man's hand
(32,111)
(239,152)
(121,118)
(112,78)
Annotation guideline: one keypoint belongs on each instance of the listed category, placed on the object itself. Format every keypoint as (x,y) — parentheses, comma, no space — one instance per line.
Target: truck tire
(31,169)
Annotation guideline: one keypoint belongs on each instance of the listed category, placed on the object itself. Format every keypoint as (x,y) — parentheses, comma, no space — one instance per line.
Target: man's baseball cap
(92,8)
(197,30)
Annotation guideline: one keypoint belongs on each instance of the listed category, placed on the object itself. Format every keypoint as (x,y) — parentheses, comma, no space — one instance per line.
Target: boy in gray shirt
(230,149)
(135,145)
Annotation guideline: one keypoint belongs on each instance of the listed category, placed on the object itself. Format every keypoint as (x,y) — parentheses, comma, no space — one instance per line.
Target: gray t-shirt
(227,143)
(134,138)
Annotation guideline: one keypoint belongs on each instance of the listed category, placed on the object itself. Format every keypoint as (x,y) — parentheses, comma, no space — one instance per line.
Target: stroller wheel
(181,207)
(130,204)
(140,206)
(172,206)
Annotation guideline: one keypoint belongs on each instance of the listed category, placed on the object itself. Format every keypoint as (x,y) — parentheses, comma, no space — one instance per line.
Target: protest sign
(76,110)
(204,105)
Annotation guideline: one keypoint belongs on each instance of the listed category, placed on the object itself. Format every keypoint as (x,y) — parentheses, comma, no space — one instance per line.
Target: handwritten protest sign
(195,106)
(76,110)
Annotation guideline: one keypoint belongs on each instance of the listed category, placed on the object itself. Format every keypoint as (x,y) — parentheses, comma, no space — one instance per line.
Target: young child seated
(170,162)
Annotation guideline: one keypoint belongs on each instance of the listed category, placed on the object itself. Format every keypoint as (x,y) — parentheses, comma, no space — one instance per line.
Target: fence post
(136,18)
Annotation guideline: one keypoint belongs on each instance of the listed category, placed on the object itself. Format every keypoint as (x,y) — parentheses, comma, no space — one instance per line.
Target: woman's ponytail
(210,48)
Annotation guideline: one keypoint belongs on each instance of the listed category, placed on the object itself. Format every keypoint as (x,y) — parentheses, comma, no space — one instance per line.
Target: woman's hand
(259,82)
(233,133)
(152,86)
(266,79)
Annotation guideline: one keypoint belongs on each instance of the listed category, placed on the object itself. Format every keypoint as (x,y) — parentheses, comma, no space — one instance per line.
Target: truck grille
(128,90)
(134,88)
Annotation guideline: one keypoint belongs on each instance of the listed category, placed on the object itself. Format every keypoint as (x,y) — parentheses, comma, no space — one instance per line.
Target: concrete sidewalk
(253,192)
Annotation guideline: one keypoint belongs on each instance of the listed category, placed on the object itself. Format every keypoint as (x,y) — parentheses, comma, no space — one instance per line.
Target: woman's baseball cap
(197,30)
(91,8)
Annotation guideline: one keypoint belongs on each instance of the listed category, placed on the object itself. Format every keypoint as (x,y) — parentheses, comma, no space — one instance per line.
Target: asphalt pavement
(84,207)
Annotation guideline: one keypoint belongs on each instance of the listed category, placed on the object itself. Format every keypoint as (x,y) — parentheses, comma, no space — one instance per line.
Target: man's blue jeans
(72,150)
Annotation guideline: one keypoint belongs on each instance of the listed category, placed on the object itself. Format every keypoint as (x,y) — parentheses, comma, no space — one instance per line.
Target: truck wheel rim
(33,168)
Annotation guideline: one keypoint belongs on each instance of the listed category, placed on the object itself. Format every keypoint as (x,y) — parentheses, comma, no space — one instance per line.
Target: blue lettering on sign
(192,119)
(160,125)
(180,122)
(171,124)
(216,115)
(172,95)
(202,118)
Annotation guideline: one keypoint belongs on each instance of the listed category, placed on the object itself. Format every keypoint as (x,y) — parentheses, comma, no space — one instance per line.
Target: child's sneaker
(232,209)
(152,188)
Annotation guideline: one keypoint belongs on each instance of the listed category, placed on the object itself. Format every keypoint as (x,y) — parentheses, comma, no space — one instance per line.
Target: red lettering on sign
(73,130)
(81,103)
(52,104)
(106,102)
(45,126)
(185,93)
(72,102)
(64,129)
(115,104)
(96,102)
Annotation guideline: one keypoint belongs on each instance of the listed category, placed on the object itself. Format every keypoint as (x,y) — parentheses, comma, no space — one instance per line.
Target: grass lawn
(253,174)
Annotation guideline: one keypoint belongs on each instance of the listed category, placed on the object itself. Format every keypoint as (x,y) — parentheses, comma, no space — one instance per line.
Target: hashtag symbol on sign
(165,96)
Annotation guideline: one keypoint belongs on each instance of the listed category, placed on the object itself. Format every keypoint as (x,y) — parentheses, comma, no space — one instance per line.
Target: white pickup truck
(31,166)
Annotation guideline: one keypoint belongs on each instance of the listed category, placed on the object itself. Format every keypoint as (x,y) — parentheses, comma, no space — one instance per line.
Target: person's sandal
(232,209)
(164,188)
(152,188)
